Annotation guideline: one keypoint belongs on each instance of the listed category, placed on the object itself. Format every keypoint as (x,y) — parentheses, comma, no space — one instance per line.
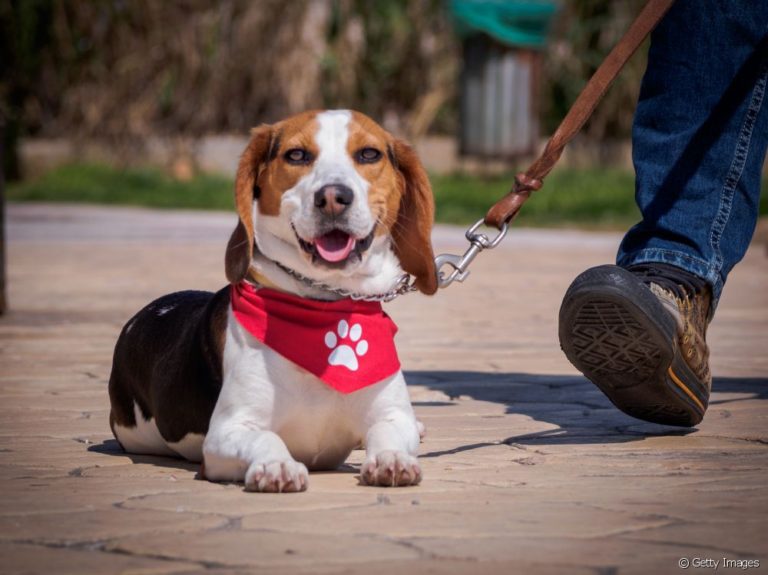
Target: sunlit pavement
(528,468)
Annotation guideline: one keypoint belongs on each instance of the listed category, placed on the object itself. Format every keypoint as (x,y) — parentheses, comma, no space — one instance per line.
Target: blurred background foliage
(125,69)
(581,36)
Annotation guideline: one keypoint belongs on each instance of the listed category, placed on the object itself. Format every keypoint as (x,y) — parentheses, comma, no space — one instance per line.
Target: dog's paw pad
(343,353)
(391,469)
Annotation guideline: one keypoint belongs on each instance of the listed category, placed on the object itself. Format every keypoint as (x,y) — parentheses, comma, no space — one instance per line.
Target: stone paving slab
(528,468)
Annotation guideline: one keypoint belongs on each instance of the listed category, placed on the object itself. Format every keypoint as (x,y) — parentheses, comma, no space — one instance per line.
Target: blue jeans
(699,138)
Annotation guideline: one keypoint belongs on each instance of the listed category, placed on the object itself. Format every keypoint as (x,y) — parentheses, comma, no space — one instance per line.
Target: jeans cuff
(684,261)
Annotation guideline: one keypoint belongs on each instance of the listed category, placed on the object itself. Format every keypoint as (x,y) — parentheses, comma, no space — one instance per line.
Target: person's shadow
(580,411)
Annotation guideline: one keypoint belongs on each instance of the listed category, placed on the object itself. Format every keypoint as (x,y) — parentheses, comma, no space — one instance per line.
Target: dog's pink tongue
(334,246)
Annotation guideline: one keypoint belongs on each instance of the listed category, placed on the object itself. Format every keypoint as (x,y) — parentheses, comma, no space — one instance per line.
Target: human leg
(699,139)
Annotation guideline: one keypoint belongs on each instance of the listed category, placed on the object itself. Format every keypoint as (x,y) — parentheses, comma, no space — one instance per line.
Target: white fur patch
(146,439)
(164,310)
(190,447)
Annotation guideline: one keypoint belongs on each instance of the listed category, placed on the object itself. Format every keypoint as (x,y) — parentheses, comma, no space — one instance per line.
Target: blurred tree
(122,71)
(24,34)
(25,28)
(395,60)
(582,35)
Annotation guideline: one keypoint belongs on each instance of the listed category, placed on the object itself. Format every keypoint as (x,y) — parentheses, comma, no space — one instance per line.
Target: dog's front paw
(391,469)
(277,477)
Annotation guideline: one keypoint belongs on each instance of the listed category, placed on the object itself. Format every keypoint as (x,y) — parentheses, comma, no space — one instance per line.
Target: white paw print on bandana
(343,354)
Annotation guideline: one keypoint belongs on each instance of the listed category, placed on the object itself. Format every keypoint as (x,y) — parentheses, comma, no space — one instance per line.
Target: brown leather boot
(639,334)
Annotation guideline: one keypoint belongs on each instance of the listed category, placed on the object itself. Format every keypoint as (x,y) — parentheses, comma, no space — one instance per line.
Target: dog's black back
(168,361)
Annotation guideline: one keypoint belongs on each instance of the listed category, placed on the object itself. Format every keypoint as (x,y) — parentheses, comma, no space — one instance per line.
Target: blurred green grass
(582,198)
(101,184)
(601,199)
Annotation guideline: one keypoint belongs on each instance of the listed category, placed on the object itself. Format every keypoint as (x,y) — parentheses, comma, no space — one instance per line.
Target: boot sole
(617,333)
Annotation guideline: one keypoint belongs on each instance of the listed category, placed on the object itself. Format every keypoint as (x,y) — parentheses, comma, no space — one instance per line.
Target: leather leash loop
(525,183)
(531,180)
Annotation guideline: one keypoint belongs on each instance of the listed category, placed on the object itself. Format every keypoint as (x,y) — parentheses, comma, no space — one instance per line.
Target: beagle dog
(292,365)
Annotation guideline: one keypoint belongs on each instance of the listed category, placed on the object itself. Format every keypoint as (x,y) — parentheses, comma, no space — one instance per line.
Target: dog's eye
(298,156)
(367,156)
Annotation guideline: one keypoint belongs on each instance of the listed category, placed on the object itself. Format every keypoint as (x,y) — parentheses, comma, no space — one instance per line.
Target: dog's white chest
(319,425)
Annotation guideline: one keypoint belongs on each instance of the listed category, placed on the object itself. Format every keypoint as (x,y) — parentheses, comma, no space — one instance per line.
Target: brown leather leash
(504,211)
(532,179)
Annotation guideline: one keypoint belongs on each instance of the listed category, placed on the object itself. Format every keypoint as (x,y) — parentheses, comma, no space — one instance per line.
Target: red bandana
(348,344)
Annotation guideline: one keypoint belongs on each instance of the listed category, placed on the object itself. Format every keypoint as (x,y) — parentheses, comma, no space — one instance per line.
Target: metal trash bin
(498,117)
(499,78)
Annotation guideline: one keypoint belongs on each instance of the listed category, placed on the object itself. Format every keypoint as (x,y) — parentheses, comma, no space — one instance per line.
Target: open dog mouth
(335,247)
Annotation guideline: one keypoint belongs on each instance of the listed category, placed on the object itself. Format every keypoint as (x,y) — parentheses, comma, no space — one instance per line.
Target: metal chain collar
(405,283)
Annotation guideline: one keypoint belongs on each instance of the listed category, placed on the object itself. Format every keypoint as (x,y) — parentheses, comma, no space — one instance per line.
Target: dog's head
(325,192)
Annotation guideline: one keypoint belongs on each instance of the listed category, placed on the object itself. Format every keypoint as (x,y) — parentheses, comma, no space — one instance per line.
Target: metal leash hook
(478,243)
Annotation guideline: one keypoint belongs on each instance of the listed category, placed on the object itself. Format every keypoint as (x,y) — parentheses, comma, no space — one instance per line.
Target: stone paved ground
(527,467)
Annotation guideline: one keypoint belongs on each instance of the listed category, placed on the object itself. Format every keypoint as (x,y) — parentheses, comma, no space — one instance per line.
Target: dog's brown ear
(416,215)
(240,247)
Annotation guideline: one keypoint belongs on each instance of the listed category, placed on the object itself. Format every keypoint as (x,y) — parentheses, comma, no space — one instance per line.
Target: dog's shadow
(113,448)
(580,412)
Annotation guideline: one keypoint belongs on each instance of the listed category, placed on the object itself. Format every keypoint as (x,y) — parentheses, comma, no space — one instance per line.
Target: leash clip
(460,263)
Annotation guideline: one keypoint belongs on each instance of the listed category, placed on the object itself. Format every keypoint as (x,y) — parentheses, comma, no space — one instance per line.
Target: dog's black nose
(333,199)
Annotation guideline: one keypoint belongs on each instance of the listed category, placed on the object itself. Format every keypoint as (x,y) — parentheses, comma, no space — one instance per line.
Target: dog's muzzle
(334,246)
